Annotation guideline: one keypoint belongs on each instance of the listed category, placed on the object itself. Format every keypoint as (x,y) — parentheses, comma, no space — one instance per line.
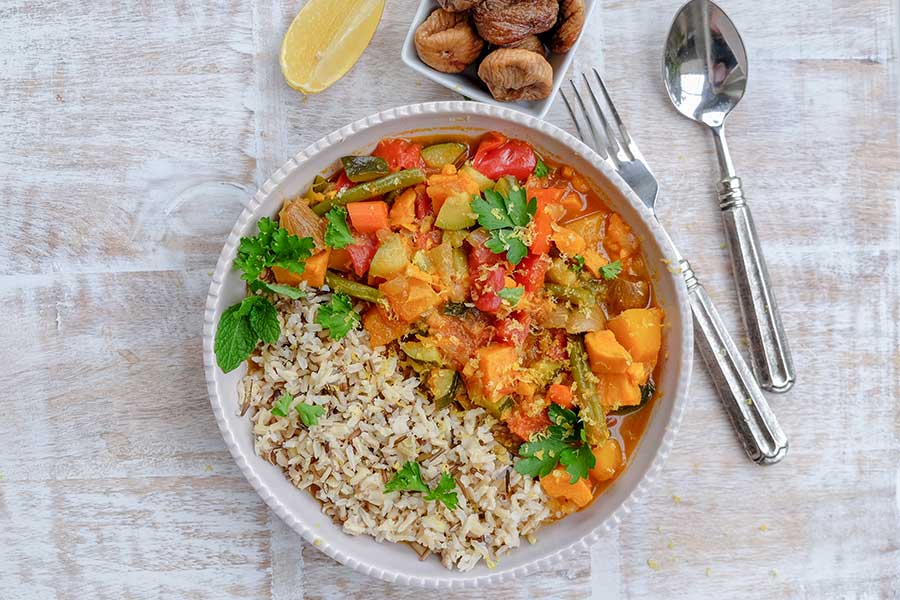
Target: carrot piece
(369,217)
(543,217)
(556,485)
(560,394)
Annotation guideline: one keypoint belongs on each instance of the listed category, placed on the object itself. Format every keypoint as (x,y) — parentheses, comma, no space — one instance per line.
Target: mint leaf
(338,316)
(612,270)
(337,233)
(443,492)
(512,295)
(283,406)
(408,478)
(310,413)
(264,321)
(540,169)
(288,291)
(235,339)
(240,327)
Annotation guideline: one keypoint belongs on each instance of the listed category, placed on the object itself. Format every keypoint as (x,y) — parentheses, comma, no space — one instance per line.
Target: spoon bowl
(705,66)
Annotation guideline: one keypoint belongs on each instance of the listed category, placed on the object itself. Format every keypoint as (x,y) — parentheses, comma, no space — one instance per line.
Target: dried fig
(516,74)
(447,42)
(504,22)
(532,42)
(568,27)
(457,5)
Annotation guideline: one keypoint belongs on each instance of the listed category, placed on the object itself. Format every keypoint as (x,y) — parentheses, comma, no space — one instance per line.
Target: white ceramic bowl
(468,84)
(556,542)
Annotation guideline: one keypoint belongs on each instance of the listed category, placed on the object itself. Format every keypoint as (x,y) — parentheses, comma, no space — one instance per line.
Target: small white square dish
(469,85)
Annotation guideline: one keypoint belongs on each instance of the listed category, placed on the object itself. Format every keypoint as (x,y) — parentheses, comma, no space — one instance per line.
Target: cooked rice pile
(376,420)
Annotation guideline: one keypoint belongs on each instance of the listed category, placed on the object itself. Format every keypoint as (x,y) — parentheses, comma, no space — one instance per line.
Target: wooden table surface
(132,132)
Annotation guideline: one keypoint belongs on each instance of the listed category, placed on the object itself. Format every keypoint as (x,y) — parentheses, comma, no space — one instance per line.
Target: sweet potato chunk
(497,365)
(639,330)
(609,459)
(617,390)
(382,329)
(556,485)
(409,297)
(606,355)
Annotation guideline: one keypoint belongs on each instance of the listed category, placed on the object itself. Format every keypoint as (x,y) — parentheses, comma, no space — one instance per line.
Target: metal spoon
(705,70)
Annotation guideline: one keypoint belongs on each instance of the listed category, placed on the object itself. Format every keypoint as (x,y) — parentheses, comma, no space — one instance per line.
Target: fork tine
(583,133)
(598,128)
(623,131)
(615,145)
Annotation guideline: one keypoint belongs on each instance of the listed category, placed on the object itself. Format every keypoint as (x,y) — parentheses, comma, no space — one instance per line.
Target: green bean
(579,296)
(364,168)
(370,189)
(353,288)
(592,412)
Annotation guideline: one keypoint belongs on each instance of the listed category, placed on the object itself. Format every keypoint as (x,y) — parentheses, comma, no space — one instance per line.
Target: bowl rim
(249,469)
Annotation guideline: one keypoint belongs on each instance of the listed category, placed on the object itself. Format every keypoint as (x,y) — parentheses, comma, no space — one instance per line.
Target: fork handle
(744,402)
(769,351)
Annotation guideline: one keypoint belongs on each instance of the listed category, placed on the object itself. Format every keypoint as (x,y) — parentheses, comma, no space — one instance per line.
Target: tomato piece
(343,182)
(531,271)
(400,154)
(487,272)
(510,157)
(424,207)
(428,240)
(558,346)
(362,251)
(513,329)
(524,425)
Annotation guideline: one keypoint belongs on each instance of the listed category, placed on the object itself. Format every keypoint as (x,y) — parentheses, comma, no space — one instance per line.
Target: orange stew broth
(633,285)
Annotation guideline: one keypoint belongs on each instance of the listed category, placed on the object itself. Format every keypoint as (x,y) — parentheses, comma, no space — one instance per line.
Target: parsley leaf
(338,316)
(612,270)
(337,232)
(409,479)
(540,169)
(578,263)
(283,406)
(310,413)
(512,295)
(444,493)
(241,327)
(274,246)
(505,217)
(565,442)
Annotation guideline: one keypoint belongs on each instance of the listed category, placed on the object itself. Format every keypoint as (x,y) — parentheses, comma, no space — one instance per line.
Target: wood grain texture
(133,132)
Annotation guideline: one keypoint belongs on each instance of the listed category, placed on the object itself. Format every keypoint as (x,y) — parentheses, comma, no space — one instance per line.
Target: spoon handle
(769,351)
(746,406)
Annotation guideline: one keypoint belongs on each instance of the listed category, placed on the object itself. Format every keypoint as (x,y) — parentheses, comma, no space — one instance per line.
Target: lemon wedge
(325,41)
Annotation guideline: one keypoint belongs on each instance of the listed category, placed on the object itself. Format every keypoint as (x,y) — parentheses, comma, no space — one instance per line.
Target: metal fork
(744,402)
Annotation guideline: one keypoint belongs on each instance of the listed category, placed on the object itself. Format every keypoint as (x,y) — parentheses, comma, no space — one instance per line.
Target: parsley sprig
(577,263)
(612,270)
(409,479)
(309,413)
(506,218)
(337,232)
(338,316)
(512,294)
(273,247)
(241,327)
(540,169)
(565,443)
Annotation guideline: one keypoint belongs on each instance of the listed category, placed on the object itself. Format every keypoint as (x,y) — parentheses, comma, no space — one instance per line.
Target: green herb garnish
(273,247)
(506,218)
(409,479)
(577,263)
(337,232)
(647,391)
(540,169)
(565,443)
(310,413)
(241,327)
(338,316)
(512,295)
(288,291)
(282,406)
(612,270)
